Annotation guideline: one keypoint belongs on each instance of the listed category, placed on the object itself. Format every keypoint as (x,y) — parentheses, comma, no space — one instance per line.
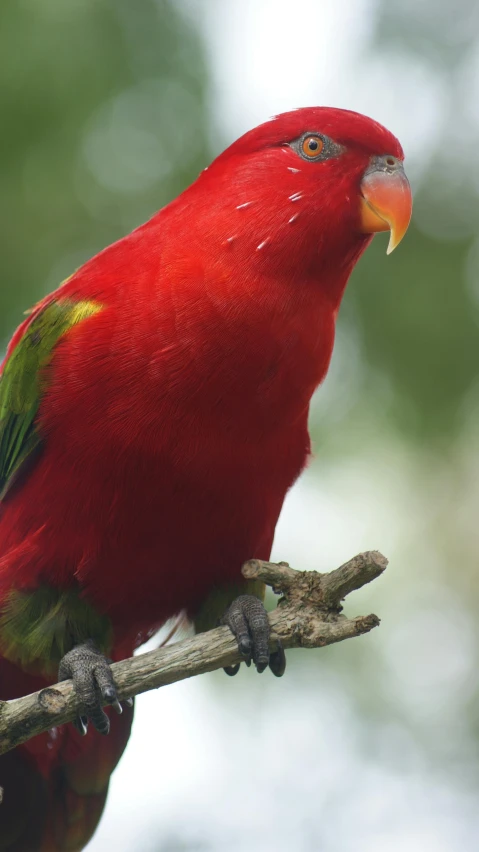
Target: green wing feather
(23,379)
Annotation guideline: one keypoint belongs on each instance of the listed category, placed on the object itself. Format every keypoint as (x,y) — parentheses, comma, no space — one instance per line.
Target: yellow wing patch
(21,381)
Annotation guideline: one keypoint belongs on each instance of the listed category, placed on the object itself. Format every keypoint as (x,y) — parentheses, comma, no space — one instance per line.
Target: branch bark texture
(309,615)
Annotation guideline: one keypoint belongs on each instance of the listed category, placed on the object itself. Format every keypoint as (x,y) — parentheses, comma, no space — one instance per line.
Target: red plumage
(174,420)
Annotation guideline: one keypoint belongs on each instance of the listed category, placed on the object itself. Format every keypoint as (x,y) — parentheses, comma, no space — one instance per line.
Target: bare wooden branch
(307,616)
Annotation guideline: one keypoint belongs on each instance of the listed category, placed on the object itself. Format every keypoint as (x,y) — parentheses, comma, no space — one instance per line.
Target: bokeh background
(109,108)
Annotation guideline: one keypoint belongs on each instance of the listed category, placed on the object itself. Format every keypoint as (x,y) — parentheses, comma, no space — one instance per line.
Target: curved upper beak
(386,199)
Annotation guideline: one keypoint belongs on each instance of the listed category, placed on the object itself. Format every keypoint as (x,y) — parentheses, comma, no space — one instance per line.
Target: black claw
(94,685)
(81,724)
(109,694)
(277,660)
(100,721)
(248,621)
(232,670)
(245,646)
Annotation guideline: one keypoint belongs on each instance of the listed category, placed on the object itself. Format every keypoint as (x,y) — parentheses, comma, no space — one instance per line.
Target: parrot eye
(312,146)
(315,146)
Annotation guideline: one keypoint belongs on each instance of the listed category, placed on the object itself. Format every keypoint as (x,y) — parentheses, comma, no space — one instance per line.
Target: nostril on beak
(385,163)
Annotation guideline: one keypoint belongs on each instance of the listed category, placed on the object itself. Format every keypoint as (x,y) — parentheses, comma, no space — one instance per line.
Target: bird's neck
(270,239)
(263,327)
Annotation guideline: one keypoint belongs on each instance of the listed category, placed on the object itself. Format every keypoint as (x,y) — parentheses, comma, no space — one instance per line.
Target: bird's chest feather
(247,366)
(182,430)
(187,365)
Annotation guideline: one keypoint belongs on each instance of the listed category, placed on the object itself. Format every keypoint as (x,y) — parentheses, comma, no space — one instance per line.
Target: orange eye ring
(311,146)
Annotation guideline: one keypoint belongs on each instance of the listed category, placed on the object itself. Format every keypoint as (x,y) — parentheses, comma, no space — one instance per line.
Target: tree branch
(307,616)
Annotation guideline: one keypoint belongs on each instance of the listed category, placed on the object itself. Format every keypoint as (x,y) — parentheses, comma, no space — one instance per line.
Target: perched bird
(153,415)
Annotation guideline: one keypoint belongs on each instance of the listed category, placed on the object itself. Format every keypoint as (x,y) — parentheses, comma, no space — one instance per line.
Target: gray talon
(93,684)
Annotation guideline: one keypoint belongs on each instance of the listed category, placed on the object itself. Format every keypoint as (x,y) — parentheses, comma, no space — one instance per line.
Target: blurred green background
(109,108)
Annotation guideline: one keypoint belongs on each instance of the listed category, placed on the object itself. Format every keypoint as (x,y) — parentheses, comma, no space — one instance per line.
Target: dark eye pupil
(313,145)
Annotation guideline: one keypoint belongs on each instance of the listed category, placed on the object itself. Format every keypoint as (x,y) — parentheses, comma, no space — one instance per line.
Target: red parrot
(153,415)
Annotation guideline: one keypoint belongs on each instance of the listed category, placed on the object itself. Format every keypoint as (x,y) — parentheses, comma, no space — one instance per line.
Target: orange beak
(386,200)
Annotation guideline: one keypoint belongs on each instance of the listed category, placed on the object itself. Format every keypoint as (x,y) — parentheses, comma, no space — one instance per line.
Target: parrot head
(308,189)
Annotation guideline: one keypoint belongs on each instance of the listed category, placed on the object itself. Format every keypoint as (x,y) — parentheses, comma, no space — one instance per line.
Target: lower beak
(385,203)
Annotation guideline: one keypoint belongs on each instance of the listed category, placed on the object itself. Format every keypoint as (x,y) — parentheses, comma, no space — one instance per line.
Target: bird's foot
(93,683)
(248,621)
